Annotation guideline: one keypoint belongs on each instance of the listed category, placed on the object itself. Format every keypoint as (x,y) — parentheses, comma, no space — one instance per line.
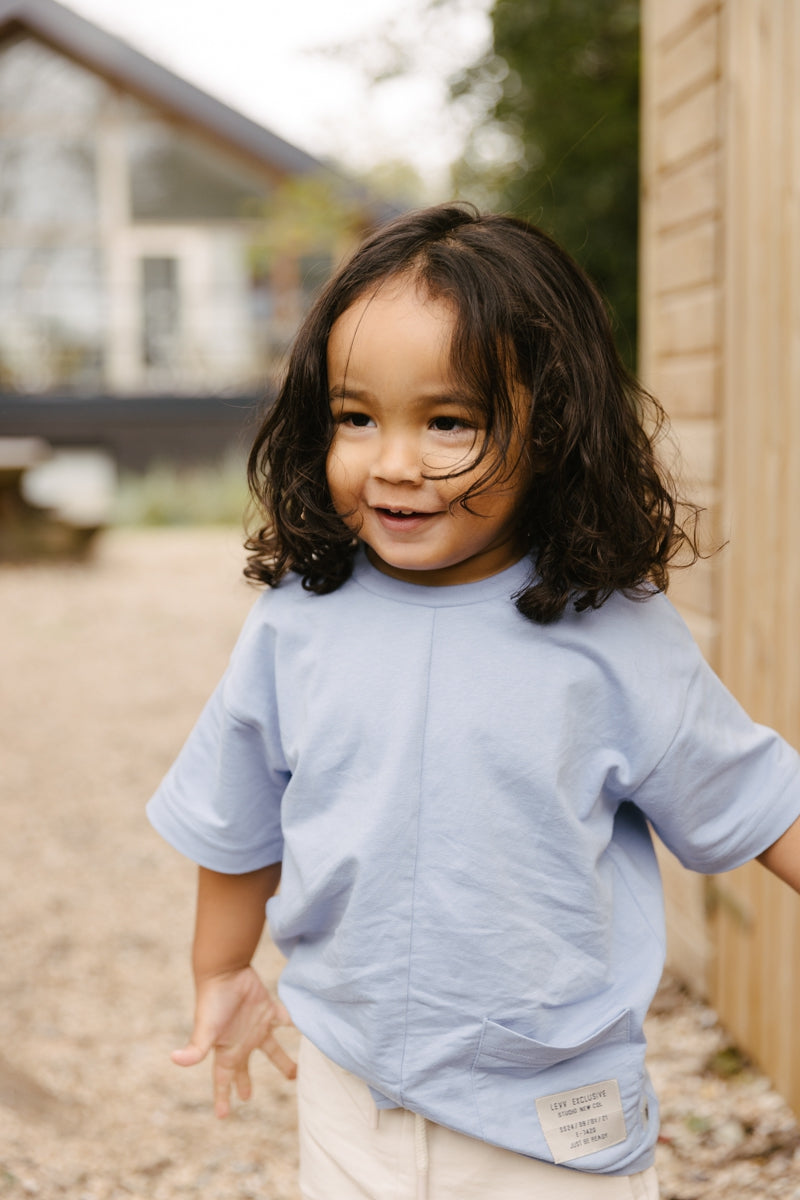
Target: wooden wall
(680,342)
(720,302)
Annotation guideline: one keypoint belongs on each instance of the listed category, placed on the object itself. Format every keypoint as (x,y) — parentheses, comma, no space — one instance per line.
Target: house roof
(116,60)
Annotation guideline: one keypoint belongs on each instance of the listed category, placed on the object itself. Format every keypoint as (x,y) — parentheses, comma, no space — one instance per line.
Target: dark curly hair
(600,513)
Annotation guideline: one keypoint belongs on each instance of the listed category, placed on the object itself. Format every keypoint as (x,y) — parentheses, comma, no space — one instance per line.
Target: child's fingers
(280,1015)
(272,1047)
(223,1078)
(191,1054)
(203,1038)
(244,1088)
(278,1056)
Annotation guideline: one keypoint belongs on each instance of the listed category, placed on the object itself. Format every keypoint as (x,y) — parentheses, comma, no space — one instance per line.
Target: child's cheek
(340,486)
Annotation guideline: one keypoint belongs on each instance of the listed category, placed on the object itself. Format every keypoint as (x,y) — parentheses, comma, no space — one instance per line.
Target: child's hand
(235,1015)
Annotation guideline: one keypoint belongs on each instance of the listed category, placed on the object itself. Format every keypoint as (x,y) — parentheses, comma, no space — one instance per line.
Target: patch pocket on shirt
(502,1047)
(511,1071)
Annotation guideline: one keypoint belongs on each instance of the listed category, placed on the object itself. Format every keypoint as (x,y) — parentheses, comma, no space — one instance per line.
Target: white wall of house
(124,242)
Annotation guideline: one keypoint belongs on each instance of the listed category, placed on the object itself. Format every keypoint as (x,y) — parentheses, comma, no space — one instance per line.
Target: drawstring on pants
(421,1155)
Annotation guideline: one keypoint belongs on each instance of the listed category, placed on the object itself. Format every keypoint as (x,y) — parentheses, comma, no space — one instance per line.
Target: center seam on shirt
(422,753)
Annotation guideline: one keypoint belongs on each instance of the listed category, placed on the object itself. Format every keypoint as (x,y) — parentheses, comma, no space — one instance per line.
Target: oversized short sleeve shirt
(470,904)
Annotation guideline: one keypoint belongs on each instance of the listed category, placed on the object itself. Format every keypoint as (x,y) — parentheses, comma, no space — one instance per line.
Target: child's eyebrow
(342,391)
(339,392)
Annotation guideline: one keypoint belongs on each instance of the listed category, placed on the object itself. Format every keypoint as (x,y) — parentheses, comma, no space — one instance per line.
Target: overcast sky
(265,57)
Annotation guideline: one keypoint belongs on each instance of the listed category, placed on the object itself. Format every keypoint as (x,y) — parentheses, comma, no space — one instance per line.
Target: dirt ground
(103,669)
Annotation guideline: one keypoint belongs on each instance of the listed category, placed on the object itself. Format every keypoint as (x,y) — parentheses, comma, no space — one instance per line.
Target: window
(174,177)
(53,294)
(160,312)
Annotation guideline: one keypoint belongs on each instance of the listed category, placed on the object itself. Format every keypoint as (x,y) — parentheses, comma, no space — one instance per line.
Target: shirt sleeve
(220,802)
(726,788)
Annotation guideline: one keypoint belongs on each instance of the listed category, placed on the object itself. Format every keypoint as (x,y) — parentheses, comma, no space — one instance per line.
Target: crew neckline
(506,582)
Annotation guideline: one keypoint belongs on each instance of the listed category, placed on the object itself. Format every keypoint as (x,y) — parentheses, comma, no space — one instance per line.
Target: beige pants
(349,1150)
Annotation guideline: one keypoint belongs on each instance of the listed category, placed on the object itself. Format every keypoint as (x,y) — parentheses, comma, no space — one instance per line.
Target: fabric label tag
(583,1120)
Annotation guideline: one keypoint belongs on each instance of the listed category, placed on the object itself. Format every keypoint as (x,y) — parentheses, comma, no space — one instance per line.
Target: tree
(556,140)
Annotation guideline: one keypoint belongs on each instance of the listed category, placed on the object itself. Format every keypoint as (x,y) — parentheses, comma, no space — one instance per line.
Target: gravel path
(104,667)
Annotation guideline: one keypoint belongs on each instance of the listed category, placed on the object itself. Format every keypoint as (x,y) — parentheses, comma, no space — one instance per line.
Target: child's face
(401,418)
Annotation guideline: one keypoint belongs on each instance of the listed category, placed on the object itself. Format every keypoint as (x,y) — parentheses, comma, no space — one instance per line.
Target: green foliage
(305,214)
(167,494)
(397,182)
(727,1063)
(698,1125)
(557,138)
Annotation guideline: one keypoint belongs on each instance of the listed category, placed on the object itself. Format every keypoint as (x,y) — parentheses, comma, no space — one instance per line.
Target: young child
(445,728)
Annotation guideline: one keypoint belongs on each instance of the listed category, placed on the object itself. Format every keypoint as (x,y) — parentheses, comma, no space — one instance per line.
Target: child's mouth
(406,518)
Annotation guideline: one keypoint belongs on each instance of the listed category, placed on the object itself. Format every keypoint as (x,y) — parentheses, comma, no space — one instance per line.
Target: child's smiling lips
(395,517)
(402,512)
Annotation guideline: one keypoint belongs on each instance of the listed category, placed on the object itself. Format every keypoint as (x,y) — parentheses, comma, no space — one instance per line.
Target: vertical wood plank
(757,973)
(680,266)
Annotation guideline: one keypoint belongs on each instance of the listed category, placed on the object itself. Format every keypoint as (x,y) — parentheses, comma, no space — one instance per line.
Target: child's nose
(398,460)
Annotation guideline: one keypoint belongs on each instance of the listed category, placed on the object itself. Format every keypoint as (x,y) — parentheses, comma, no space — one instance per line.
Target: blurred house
(144,279)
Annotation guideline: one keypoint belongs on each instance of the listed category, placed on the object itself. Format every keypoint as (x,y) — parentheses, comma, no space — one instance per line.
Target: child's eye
(357,420)
(449,424)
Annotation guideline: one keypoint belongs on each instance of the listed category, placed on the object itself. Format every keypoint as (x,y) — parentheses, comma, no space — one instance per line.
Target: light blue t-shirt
(470,904)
